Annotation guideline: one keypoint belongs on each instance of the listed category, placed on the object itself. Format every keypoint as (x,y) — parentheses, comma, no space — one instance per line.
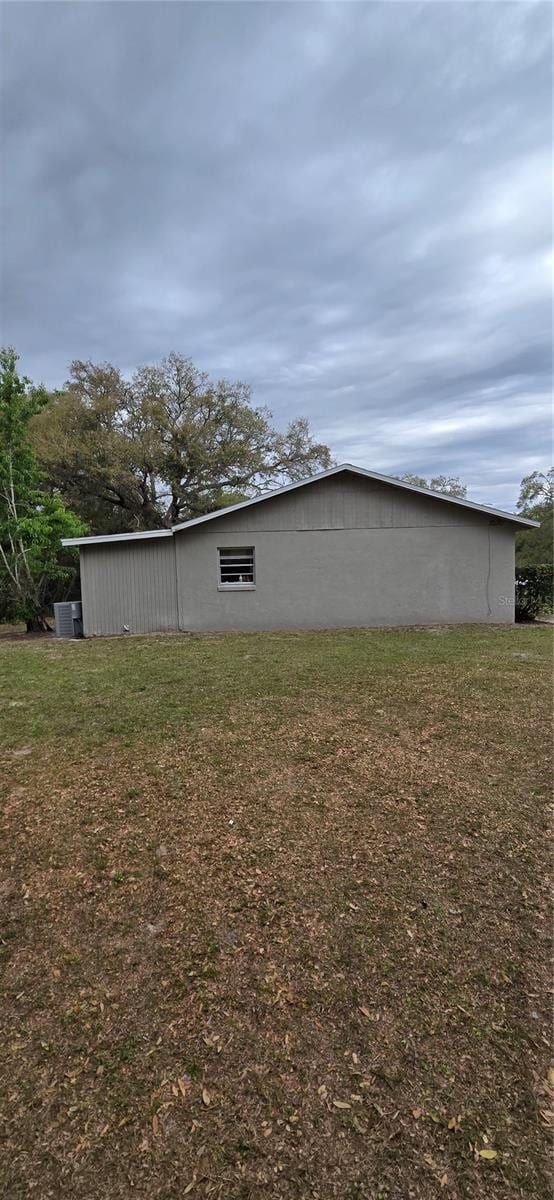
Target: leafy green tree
(534,547)
(165,446)
(449,485)
(33,566)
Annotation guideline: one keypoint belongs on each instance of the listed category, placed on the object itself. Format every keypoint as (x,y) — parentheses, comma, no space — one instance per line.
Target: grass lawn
(275,916)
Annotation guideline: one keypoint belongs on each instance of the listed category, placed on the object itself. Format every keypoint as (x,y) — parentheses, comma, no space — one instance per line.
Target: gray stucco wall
(129,583)
(338,578)
(341,552)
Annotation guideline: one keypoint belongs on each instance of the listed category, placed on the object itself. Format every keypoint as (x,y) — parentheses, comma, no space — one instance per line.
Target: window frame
(223,586)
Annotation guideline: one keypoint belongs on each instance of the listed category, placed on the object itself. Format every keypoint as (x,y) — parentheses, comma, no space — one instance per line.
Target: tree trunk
(38,625)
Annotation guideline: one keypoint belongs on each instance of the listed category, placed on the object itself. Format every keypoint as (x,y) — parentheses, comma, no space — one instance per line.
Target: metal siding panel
(130,583)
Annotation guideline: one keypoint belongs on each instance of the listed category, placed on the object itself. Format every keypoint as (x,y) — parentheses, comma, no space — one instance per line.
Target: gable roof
(514,518)
(399,483)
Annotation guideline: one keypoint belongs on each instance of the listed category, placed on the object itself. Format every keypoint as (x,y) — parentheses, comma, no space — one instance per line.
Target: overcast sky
(345,205)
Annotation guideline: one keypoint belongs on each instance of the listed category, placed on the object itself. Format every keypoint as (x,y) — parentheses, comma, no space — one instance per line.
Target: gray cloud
(346,205)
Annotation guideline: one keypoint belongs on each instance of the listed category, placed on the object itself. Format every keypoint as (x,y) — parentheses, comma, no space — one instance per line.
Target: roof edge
(95,539)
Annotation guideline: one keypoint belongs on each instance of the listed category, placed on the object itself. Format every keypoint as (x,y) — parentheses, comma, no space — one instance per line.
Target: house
(348,547)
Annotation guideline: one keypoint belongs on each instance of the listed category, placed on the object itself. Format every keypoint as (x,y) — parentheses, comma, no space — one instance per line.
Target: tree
(536,489)
(33,567)
(534,547)
(449,485)
(165,446)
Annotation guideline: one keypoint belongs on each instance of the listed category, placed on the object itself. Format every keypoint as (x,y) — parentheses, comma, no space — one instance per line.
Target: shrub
(534,591)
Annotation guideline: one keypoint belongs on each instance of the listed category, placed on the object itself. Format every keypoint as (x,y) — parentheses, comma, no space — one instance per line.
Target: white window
(236,567)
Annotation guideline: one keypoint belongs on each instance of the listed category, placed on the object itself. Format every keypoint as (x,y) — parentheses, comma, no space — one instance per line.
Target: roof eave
(97,539)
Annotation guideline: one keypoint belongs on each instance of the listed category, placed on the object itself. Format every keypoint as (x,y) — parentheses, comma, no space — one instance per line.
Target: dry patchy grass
(275,916)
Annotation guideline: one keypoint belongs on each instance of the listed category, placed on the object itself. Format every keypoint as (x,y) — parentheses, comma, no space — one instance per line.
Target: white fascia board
(98,539)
